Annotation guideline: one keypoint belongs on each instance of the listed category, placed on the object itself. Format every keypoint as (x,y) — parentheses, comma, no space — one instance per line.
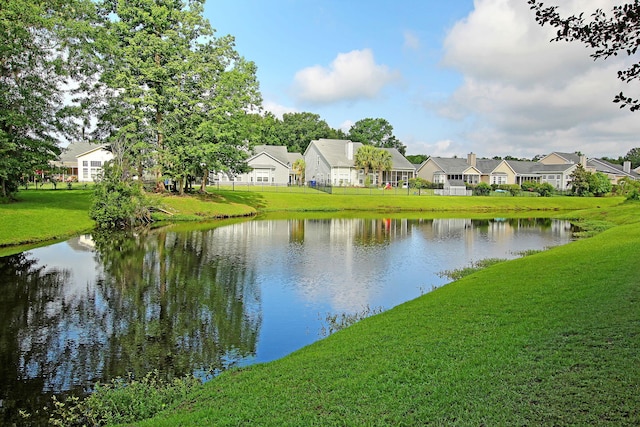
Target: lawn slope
(549,339)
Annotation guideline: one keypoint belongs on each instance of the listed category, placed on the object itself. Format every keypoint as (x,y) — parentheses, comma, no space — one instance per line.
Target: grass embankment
(549,339)
(46,215)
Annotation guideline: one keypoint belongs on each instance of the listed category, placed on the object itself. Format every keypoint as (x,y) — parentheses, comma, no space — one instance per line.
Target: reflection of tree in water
(176,308)
(162,302)
(33,333)
(374,231)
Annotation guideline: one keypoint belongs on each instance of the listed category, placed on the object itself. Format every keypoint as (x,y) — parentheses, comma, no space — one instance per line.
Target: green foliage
(118,203)
(459,273)
(543,189)
(419,183)
(297,130)
(513,189)
(123,400)
(334,322)
(376,132)
(39,44)
(580,181)
(482,189)
(599,184)
(416,159)
(633,156)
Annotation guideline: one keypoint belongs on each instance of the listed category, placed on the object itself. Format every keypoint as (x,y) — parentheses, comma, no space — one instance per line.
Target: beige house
(458,172)
(613,171)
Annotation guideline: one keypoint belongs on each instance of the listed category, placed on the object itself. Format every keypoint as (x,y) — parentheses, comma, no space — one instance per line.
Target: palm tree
(299,167)
(382,162)
(364,158)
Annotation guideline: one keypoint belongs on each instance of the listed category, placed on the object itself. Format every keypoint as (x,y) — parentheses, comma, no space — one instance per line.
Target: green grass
(42,215)
(45,215)
(549,339)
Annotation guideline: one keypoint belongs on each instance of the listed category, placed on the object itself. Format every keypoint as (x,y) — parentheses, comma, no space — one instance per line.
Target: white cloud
(351,76)
(277,109)
(527,95)
(346,125)
(411,40)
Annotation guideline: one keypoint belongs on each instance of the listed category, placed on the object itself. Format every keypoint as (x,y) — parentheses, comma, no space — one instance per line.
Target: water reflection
(100,306)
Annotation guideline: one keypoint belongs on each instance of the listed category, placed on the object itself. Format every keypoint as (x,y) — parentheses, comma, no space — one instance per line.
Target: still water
(100,306)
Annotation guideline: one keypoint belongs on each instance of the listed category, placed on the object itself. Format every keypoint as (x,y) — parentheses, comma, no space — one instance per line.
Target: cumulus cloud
(351,76)
(411,40)
(277,109)
(529,96)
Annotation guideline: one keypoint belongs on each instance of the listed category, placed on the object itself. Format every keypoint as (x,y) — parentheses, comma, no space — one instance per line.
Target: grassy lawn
(44,215)
(549,339)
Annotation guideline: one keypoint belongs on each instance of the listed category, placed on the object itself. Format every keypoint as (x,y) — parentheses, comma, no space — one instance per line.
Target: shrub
(122,401)
(482,189)
(545,189)
(118,203)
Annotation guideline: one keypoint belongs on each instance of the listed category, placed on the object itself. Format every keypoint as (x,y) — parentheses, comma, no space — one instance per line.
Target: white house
(331,162)
(82,160)
(270,165)
(90,163)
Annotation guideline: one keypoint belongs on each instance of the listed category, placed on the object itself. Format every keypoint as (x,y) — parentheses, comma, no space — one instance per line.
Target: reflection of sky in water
(335,271)
(299,271)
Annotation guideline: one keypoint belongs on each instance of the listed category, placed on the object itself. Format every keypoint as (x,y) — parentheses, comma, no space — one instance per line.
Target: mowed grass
(549,339)
(45,215)
(41,215)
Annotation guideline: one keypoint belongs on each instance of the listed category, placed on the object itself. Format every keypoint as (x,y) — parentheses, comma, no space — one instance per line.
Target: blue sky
(450,76)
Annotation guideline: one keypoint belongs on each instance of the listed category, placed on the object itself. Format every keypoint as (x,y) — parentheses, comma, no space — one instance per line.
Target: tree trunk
(203,184)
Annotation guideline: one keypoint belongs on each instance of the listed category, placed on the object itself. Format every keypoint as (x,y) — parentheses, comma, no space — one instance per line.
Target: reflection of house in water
(82,243)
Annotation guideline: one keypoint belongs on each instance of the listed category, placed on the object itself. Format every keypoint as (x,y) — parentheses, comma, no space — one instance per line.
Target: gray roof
(450,165)
(278,152)
(69,155)
(569,157)
(611,168)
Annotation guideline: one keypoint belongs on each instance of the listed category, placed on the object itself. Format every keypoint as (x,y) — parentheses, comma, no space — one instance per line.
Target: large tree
(609,35)
(297,130)
(163,76)
(634,157)
(376,132)
(40,41)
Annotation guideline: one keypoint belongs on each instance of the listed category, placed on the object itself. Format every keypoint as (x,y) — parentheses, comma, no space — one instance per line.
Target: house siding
(90,164)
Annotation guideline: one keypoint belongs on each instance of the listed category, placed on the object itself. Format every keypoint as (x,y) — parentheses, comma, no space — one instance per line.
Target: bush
(118,203)
(545,189)
(482,189)
(514,189)
(122,401)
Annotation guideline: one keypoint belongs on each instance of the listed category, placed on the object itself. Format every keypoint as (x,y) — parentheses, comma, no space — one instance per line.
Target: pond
(199,301)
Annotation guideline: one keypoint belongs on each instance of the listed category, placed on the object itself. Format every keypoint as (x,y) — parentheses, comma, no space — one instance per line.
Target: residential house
(270,165)
(82,160)
(458,172)
(331,162)
(613,171)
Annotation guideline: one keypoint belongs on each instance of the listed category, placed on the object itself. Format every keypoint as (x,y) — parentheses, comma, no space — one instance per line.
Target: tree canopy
(610,35)
(376,132)
(39,40)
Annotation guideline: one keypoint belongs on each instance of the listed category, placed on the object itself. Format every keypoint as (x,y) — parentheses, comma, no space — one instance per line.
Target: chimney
(583,161)
(626,166)
(349,149)
(471,159)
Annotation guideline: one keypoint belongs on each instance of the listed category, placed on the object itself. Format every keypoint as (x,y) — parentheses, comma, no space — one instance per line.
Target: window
(498,179)
(85,163)
(96,163)
(262,175)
